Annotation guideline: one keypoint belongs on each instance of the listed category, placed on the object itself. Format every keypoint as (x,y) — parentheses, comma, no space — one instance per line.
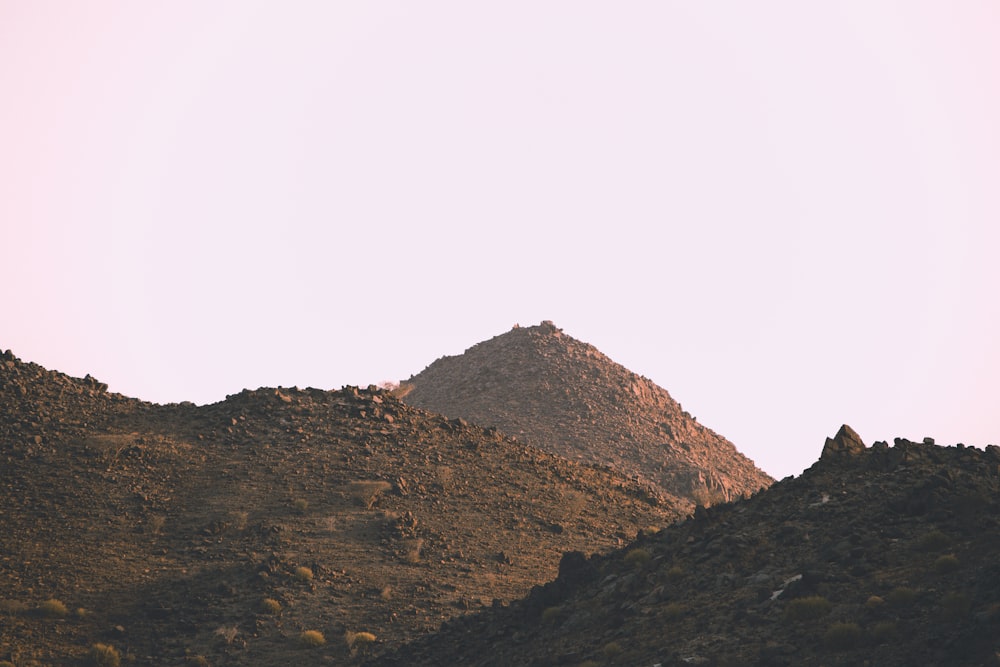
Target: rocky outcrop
(551,390)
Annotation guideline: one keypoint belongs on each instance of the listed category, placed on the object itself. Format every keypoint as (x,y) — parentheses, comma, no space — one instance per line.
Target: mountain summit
(555,392)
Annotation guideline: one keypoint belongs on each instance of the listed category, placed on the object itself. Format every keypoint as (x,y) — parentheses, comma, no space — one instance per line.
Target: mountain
(557,393)
(873,556)
(219,534)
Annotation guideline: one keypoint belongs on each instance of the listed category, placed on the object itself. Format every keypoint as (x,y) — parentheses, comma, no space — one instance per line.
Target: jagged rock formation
(168,526)
(873,556)
(560,394)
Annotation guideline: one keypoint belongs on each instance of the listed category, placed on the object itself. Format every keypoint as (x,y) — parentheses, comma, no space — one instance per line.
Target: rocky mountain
(280,526)
(873,556)
(557,393)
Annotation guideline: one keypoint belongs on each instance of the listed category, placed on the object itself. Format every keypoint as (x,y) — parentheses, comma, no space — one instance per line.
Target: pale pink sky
(785,213)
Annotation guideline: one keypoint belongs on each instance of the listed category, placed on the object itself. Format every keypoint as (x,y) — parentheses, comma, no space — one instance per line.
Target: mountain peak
(545,387)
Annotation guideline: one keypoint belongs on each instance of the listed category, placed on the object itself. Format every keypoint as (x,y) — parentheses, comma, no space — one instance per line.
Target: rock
(846,443)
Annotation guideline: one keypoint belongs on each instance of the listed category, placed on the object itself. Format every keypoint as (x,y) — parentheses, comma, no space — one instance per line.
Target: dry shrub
(933,541)
(270,606)
(412,555)
(53,608)
(227,633)
(842,636)
(637,558)
(303,573)
(884,631)
(312,638)
(359,642)
(901,596)
(301,505)
(367,492)
(104,655)
(807,608)
(12,607)
(945,564)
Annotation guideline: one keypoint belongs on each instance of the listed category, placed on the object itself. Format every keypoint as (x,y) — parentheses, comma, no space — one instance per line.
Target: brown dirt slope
(873,556)
(164,528)
(555,392)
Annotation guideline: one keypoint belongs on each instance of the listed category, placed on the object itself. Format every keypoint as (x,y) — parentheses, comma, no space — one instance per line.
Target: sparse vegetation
(901,596)
(228,633)
(945,564)
(673,611)
(842,636)
(312,638)
(300,505)
(270,606)
(303,573)
(807,608)
(104,655)
(637,558)
(612,650)
(12,607)
(933,541)
(53,608)
(884,631)
(156,524)
(413,548)
(955,606)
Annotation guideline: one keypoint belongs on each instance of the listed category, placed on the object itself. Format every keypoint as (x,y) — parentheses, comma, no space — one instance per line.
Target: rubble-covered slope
(218,534)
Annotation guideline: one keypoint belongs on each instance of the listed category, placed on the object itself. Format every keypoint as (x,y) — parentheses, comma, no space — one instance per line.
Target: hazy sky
(785,213)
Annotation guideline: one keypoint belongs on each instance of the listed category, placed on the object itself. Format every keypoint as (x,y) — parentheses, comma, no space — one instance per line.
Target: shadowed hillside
(873,556)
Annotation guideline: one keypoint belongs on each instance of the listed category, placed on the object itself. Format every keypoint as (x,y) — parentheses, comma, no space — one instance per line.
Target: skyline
(786,216)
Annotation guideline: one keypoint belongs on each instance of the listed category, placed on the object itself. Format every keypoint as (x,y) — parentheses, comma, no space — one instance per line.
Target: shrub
(884,631)
(807,609)
(551,614)
(413,548)
(53,608)
(945,564)
(675,573)
(229,634)
(874,602)
(611,650)
(270,606)
(198,661)
(301,505)
(312,638)
(367,492)
(104,655)
(955,606)
(901,596)
(932,541)
(842,636)
(5,663)
(673,611)
(637,558)
(12,607)
(303,573)
(359,641)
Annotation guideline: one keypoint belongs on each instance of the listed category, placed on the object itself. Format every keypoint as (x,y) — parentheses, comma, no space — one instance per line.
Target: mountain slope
(873,556)
(168,526)
(558,393)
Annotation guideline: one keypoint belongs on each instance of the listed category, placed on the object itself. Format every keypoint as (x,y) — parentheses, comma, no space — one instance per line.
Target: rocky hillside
(225,534)
(555,392)
(873,556)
